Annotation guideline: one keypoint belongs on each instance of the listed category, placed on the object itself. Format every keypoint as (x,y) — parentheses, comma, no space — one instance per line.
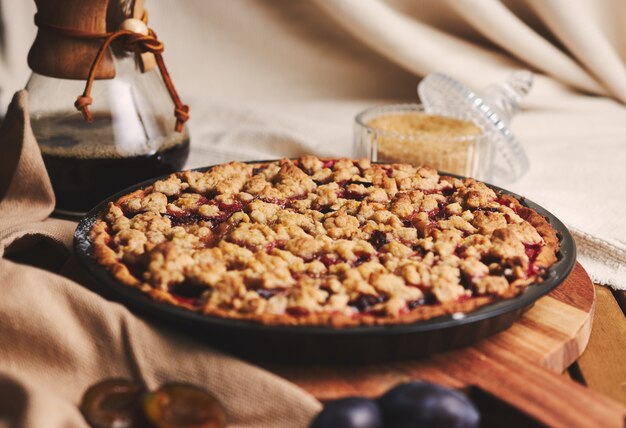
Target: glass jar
(405,133)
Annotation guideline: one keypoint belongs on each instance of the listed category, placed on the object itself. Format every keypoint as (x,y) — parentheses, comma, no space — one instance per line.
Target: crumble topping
(323,241)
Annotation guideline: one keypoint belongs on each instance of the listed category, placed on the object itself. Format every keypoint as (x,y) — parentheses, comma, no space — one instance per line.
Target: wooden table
(602,367)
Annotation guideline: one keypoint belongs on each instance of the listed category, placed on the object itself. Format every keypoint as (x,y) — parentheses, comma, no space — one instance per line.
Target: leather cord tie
(131,42)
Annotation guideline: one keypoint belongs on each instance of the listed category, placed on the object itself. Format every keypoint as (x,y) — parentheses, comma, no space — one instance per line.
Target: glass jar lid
(492,109)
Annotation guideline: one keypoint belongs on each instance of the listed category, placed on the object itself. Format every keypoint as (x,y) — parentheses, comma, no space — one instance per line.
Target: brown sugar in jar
(446,143)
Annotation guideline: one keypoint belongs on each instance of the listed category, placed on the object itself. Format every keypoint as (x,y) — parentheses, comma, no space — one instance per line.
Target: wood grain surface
(521,366)
(603,364)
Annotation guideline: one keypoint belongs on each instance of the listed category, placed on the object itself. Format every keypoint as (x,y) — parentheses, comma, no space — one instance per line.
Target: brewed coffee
(85,166)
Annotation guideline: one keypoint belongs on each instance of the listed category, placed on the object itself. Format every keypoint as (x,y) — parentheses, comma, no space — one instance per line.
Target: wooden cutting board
(521,365)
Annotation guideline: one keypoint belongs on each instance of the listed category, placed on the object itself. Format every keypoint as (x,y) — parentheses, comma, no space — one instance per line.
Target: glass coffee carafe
(132,134)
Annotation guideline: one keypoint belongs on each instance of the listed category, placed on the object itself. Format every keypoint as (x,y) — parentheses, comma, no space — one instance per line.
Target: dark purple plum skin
(352,412)
(425,405)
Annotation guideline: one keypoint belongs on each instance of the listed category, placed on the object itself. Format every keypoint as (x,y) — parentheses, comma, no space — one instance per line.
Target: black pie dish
(309,344)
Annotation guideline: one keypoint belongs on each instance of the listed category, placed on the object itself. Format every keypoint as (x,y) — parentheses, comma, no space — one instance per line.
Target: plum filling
(297,311)
(447,192)
(329,163)
(172,198)
(463,298)
(331,259)
(467,281)
(363,183)
(265,293)
(459,251)
(438,213)
(136,269)
(276,244)
(230,208)
(420,251)
(280,202)
(490,209)
(532,251)
(186,292)
(258,170)
(346,194)
(365,301)
(415,303)
(181,219)
(387,170)
(507,203)
(327,210)
(171,214)
(433,214)
(363,258)
(328,260)
(299,197)
(378,239)
(268,293)
(429,297)
(202,201)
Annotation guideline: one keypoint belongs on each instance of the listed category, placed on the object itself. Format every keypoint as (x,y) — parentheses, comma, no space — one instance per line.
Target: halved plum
(177,405)
(113,403)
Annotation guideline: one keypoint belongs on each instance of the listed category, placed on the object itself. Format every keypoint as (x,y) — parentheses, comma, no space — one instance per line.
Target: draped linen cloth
(57,337)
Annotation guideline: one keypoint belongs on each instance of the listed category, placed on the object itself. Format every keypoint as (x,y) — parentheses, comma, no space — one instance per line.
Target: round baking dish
(364,344)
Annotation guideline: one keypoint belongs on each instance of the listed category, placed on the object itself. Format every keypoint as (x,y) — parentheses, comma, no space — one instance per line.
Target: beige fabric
(410,34)
(57,337)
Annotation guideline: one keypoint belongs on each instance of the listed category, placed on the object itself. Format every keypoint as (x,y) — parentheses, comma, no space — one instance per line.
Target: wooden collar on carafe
(134,36)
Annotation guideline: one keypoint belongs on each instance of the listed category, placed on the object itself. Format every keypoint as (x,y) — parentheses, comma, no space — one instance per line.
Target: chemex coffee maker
(102,105)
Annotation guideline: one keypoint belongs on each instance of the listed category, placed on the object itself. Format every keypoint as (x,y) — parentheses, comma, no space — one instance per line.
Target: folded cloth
(605,258)
(57,337)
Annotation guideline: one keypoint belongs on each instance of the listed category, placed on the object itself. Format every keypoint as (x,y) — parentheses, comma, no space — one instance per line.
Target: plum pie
(328,242)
